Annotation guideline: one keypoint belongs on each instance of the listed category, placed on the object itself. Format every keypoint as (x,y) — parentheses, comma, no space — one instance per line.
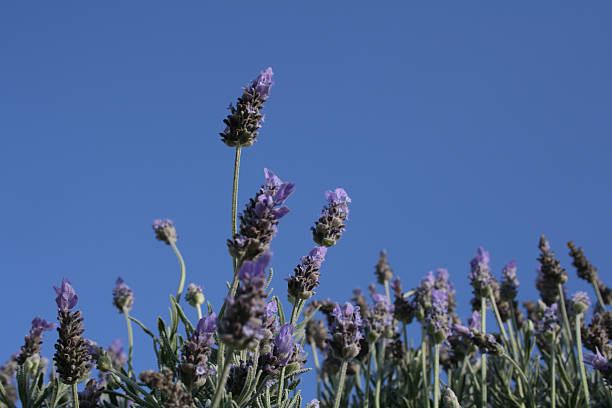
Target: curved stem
(223,379)
(553,376)
(583,376)
(424,366)
(75,395)
(340,384)
(437,375)
(128,322)
(483,358)
(179,291)
(498,318)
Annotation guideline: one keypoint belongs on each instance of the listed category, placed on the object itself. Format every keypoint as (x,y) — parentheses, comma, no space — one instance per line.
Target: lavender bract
(258,222)
(245,120)
(380,321)
(34,339)
(331,223)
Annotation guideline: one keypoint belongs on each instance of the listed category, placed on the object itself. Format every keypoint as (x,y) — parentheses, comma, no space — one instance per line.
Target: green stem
(519,382)
(437,376)
(340,384)
(366,401)
(235,214)
(75,395)
(5,397)
(483,358)
(498,318)
(583,376)
(598,294)
(199,309)
(281,387)
(379,374)
(553,376)
(315,356)
(179,291)
(387,290)
(567,328)
(295,312)
(424,366)
(128,322)
(223,379)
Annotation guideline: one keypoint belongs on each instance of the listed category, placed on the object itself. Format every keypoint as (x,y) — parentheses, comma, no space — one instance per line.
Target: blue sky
(451,125)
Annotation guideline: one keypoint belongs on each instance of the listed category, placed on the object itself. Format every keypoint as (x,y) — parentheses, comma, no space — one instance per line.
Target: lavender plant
(250,353)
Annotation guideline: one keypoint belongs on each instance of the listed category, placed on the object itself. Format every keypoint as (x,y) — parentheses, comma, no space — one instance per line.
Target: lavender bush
(249,352)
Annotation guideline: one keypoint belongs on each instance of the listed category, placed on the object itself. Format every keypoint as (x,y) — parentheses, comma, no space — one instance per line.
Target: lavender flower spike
(580,302)
(331,223)
(509,282)
(196,351)
(245,119)
(258,222)
(123,297)
(481,279)
(242,323)
(34,339)
(306,275)
(71,356)
(345,332)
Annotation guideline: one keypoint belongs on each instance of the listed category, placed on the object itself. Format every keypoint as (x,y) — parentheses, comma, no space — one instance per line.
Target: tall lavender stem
(130,340)
(341,383)
(583,376)
(424,366)
(179,291)
(367,378)
(235,214)
(222,379)
(553,376)
(437,375)
(483,358)
(567,335)
(75,395)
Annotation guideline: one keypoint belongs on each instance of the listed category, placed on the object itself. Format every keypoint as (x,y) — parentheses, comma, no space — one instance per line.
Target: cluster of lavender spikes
(251,356)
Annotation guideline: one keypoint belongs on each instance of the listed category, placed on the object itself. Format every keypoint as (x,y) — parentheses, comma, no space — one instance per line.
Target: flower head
(33,341)
(306,275)
(345,332)
(117,354)
(258,222)
(123,296)
(509,282)
(382,270)
(331,223)
(245,119)
(195,294)
(580,302)
(165,231)
(283,344)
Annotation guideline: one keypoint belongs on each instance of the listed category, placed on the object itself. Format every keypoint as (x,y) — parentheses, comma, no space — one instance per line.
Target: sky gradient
(451,126)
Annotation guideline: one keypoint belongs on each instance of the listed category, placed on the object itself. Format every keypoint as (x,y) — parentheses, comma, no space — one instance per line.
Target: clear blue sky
(451,125)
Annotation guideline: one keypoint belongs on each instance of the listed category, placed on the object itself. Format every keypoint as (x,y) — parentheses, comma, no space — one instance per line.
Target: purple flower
(509,282)
(580,302)
(123,297)
(40,325)
(380,322)
(117,354)
(436,320)
(283,344)
(264,82)
(331,223)
(206,329)
(258,222)
(165,231)
(244,317)
(597,360)
(481,279)
(306,275)
(66,296)
(313,404)
(474,321)
(345,332)
(193,367)
(245,119)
